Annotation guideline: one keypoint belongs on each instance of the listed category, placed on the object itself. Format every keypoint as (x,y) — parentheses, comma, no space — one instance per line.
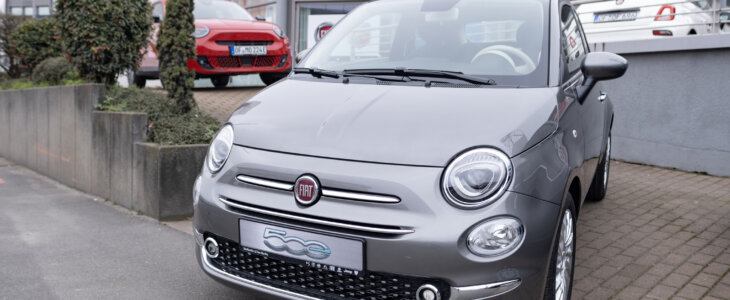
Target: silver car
(424,149)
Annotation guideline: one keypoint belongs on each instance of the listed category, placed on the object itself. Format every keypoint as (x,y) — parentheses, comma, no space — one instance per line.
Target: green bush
(104,38)
(175,47)
(8,23)
(53,71)
(166,125)
(36,40)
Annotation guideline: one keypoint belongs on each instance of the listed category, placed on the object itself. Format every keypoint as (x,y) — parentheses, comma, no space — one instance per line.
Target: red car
(229,41)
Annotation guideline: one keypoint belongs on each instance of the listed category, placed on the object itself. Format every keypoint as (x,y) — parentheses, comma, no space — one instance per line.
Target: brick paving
(220,103)
(659,234)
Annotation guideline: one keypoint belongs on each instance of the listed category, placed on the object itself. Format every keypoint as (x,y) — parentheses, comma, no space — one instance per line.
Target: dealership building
(28,8)
(301,19)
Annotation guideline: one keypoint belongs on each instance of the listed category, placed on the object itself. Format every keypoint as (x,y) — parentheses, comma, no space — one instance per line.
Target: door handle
(602,97)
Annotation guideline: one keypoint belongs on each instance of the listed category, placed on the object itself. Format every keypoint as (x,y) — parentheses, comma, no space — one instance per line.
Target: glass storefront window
(28,11)
(16,11)
(44,11)
(314,16)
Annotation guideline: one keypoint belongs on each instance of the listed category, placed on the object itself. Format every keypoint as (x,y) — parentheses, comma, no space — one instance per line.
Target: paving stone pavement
(220,103)
(659,234)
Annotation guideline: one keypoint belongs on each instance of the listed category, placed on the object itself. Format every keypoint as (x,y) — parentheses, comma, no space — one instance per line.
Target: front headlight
(477,178)
(200,31)
(495,236)
(278,31)
(220,149)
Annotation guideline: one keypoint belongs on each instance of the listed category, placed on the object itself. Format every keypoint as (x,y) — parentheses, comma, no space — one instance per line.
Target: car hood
(391,124)
(227,24)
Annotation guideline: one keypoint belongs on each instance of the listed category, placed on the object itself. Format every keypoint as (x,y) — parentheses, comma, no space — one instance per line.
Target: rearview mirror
(599,66)
(301,55)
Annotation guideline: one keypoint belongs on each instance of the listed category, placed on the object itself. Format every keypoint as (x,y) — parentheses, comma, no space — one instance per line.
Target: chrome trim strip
(484,291)
(316,221)
(249,283)
(359,196)
(355,196)
(266,183)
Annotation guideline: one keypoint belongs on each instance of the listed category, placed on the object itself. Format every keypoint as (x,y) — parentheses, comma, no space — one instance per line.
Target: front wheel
(271,78)
(560,274)
(220,81)
(599,186)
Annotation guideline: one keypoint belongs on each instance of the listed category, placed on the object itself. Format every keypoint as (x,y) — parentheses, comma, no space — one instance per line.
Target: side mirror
(599,66)
(260,18)
(156,19)
(301,55)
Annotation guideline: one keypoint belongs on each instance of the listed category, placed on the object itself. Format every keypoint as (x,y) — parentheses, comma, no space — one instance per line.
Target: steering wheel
(504,51)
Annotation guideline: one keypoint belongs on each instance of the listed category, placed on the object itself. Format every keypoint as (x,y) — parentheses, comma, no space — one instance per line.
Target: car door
(587,113)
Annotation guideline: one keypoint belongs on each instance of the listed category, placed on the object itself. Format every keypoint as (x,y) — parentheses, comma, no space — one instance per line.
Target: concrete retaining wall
(49,130)
(55,131)
(673,110)
(163,179)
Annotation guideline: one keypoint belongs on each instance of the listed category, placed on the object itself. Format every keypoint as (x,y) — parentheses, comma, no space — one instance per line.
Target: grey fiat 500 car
(424,149)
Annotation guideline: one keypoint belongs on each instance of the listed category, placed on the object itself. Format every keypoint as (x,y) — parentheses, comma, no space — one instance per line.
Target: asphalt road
(56,243)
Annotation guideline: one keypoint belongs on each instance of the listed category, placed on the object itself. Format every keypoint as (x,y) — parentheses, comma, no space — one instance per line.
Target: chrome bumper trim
(316,221)
(289,187)
(248,283)
(266,183)
(484,291)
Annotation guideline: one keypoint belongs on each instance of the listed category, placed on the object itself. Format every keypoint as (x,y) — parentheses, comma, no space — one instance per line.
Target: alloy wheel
(564,261)
(606,163)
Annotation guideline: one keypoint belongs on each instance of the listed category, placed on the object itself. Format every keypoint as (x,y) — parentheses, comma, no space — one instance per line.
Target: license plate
(616,16)
(311,249)
(248,50)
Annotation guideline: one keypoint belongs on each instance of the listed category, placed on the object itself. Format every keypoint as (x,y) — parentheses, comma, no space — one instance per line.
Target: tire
(135,80)
(271,78)
(220,81)
(599,186)
(564,245)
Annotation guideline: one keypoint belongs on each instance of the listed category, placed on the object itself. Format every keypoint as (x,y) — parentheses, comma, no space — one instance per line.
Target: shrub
(175,47)
(8,23)
(53,71)
(166,125)
(104,38)
(36,40)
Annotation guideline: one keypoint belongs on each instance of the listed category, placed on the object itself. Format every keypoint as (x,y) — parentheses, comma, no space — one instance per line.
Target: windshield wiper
(317,72)
(421,72)
(397,78)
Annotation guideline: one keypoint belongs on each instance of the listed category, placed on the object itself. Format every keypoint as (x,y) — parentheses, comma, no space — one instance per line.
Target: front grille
(315,282)
(225,62)
(244,43)
(220,62)
(265,61)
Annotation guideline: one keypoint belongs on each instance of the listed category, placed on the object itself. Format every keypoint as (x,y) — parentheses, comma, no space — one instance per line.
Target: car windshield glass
(213,9)
(504,40)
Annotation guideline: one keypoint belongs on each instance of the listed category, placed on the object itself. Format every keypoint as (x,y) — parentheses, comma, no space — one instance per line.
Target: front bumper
(435,249)
(257,276)
(214,56)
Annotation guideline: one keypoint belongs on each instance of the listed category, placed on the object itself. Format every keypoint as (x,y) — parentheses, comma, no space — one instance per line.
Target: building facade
(303,20)
(28,8)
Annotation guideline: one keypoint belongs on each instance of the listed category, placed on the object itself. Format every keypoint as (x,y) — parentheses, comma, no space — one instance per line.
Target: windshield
(213,9)
(499,39)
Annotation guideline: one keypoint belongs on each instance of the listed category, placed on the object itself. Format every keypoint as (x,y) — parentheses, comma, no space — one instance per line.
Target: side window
(574,48)
(158,10)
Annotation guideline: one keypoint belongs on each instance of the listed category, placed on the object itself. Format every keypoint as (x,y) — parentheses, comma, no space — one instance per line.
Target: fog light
(211,248)
(427,292)
(496,236)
